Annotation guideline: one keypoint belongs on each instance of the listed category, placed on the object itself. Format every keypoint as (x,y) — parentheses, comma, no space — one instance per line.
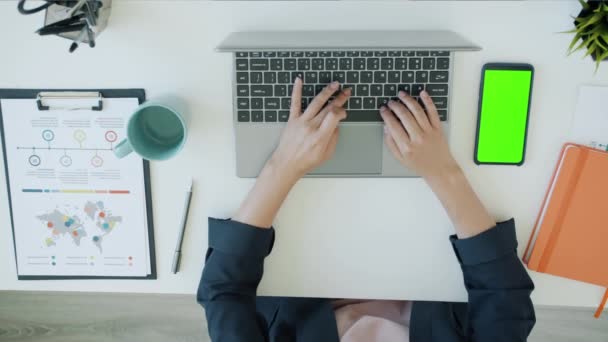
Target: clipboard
(40,96)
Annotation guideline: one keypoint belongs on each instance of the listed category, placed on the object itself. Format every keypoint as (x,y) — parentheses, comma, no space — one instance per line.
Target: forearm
(464,208)
(267,195)
(498,285)
(234,265)
(308,140)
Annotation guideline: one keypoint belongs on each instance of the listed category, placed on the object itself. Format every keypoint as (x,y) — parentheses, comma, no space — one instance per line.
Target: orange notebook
(570,235)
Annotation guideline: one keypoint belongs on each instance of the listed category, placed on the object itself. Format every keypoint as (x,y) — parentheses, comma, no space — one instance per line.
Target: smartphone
(504,109)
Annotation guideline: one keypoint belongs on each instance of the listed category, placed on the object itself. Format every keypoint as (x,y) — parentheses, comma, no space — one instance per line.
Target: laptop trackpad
(359,151)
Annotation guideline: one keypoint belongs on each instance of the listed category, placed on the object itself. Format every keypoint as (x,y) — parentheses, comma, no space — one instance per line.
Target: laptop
(376,65)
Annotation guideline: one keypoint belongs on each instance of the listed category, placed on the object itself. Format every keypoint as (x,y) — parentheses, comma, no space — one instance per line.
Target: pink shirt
(373,320)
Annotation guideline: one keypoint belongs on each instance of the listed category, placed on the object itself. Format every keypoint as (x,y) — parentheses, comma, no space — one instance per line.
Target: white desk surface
(372,238)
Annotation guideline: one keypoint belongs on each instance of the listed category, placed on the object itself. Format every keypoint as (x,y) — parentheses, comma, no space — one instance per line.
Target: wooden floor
(93,317)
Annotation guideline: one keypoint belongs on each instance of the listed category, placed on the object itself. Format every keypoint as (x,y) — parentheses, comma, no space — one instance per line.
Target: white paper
(590,125)
(77,209)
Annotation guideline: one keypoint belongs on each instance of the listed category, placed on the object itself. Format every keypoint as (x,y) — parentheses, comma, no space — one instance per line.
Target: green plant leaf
(588,33)
(599,42)
(594,19)
(574,40)
(583,4)
(582,19)
(574,30)
(596,29)
(590,50)
(604,35)
(578,47)
(603,56)
(599,58)
(602,7)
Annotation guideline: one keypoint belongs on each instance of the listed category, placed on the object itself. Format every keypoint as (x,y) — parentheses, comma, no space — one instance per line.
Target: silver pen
(178,248)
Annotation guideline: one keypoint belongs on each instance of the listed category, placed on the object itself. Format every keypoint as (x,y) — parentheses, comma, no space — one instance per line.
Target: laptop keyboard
(264,80)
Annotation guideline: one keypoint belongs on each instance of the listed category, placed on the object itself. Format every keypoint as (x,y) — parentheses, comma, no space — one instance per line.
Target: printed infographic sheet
(77,210)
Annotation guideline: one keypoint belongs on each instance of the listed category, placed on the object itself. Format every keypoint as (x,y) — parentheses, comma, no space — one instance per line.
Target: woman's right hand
(416,139)
(415,136)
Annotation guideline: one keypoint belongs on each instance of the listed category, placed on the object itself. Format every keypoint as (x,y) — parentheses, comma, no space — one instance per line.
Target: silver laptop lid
(340,40)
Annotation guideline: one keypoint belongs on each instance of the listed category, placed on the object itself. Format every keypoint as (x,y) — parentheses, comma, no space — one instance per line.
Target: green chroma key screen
(503,116)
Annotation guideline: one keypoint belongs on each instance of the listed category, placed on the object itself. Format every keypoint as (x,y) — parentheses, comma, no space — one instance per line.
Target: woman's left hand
(310,137)
(308,140)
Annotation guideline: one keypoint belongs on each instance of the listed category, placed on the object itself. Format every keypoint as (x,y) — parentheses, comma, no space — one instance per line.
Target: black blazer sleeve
(499,288)
(234,265)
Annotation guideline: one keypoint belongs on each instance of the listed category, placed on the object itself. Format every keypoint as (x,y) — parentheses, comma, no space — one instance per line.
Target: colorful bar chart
(78,191)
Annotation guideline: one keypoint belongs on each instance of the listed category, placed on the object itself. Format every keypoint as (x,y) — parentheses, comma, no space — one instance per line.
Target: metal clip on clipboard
(70,95)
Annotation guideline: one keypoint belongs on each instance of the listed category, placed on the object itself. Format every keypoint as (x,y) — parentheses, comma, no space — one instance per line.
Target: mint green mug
(154,131)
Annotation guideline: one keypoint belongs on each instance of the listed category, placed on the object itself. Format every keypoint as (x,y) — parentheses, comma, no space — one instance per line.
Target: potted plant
(591,30)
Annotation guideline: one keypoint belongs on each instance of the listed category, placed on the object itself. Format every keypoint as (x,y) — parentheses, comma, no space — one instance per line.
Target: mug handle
(123,149)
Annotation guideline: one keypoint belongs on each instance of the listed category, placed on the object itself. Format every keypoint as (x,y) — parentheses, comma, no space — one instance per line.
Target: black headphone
(22,10)
(67,3)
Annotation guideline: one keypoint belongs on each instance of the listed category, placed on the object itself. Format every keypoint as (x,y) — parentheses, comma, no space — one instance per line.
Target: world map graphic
(95,222)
